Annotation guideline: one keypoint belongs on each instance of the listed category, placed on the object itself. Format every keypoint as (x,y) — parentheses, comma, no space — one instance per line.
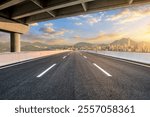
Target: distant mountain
(38,46)
(28,46)
(83,44)
(25,46)
(60,46)
(123,42)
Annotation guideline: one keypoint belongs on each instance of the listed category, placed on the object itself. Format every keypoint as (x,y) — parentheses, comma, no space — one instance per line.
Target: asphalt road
(75,76)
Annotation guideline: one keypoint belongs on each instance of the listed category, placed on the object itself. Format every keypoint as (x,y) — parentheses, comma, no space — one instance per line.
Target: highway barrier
(133,56)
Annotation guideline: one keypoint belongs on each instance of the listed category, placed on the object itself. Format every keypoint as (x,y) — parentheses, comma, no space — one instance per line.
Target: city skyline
(124,45)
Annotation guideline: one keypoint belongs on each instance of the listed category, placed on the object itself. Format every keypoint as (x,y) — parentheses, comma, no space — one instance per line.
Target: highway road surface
(75,76)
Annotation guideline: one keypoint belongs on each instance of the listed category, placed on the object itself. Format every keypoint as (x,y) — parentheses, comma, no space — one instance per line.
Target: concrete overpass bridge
(16,15)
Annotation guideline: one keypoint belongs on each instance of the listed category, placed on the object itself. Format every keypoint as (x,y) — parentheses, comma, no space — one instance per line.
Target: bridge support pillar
(15,42)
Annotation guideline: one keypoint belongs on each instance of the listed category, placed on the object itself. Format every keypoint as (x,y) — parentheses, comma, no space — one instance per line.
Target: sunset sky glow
(101,27)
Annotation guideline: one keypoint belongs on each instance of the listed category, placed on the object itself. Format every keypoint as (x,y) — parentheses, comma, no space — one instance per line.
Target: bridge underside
(15,15)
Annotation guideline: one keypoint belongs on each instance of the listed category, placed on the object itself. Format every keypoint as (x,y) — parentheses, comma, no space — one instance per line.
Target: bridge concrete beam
(15,42)
(8,25)
(15,29)
(9,3)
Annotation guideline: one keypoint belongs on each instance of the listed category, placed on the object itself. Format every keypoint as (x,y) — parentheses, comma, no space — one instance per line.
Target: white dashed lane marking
(105,72)
(45,71)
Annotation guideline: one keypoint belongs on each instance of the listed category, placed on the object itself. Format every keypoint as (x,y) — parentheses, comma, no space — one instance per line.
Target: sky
(100,27)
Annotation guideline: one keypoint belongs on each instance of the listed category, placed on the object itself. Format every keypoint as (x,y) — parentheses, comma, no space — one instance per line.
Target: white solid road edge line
(40,75)
(125,60)
(7,66)
(128,61)
(102,70)
(22,62)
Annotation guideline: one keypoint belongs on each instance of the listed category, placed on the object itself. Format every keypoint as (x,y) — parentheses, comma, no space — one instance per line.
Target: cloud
(89,18)
(44,39)
(93,20)
(31,37)
(59,41)
(85,16)
(147,30)
(129,15)
(34,24)
(78,23)
(48,24)
(49,31)
(48,34)
(105,37)
(143,32)
(54,34)
(76,39)
(101,14)
(48,28)
(74,18)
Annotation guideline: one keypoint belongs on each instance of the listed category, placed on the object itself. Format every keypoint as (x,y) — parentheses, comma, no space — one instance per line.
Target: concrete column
(15,42)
